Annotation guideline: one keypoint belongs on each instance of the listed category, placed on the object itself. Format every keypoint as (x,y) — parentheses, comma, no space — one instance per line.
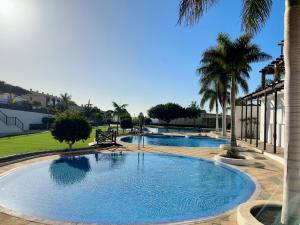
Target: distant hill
(8,88)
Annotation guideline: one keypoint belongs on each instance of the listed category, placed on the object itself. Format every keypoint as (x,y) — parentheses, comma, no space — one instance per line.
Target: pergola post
(242,117)
(265,122)
(263,79)
(251,104)
(275,121)
(257,120)
(246,120)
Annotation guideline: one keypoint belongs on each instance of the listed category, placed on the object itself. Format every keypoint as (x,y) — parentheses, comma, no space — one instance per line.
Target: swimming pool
(181,141)
(131,188)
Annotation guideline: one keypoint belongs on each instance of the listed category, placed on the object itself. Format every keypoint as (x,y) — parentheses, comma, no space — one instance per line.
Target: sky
(128,51)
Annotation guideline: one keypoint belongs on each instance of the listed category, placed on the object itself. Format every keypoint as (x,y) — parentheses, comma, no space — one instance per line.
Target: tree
(166,112)
(64,102)
(119,110)
(236,58)
(87,109)
(193,111)
(148,121)
(126,123)
(212,72)
(254,14)
(36,104)
(141,122)
(107,117)
(97,117)
(71,127)
(211,95)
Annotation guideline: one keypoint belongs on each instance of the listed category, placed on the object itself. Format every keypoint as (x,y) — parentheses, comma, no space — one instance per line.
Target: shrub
(71,127)
(148,121)
(126,123)
(167,112)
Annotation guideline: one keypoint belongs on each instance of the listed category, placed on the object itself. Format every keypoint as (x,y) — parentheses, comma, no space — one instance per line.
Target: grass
(38,142)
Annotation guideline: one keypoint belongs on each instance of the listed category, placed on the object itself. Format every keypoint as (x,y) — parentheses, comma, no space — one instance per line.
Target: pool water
(171,130)
(182,141)
(131,188)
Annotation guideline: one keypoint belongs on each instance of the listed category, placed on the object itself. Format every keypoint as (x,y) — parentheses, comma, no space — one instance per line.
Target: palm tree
(254,14)
(65,101)
(119,110)
(213,72)
(211,95)
(235,57)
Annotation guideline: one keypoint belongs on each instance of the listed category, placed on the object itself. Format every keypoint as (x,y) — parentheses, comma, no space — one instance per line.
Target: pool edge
(204,219)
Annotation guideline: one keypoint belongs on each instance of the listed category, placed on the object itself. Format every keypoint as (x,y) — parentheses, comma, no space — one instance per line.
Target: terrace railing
(106,137)
(11,121)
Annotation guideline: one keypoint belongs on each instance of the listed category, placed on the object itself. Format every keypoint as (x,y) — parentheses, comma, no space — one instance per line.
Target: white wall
(238,116)
(270,119)
(26,117)
(8,129)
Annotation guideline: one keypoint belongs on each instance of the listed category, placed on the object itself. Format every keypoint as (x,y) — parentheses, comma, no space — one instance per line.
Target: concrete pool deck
(269,177)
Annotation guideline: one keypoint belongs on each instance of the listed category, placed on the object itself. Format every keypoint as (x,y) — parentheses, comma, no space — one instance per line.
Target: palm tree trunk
(118,120)
(224,118)
(232,100)
(217,116)
(291,188)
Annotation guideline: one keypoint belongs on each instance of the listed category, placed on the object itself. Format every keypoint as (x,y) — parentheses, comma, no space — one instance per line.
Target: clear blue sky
(129,51)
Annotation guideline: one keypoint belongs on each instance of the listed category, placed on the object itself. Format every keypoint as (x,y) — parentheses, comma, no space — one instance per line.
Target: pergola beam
(246,120)
(269,90)
(275,122)
(257,120)
(251,104)
(265,121)
(242,117)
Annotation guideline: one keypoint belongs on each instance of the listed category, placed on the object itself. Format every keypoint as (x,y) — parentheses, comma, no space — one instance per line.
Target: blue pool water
(171,130)
(166,140)
(123,188)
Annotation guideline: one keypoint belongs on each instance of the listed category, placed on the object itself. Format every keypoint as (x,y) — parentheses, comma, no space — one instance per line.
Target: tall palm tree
(254,14)
(213,72)
(119,110)
(65,101)
(235,57)
(210,94)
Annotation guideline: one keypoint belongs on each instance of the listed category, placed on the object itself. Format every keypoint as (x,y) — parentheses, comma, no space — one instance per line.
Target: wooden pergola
(274,68)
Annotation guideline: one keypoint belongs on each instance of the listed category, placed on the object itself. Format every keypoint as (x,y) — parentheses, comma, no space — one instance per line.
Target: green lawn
(38,142)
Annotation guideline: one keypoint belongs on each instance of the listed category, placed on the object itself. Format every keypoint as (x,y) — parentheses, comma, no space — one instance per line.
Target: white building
(42,98)
(266,128)
(18,121)
(269,100)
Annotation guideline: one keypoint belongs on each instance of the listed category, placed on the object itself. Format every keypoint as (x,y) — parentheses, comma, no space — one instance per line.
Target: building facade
(266,123)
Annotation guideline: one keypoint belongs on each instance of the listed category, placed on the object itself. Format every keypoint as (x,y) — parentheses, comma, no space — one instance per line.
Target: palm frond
(255,14)
(243,84)
(191,10)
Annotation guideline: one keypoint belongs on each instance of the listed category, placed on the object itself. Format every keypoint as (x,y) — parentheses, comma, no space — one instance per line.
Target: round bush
(71,127)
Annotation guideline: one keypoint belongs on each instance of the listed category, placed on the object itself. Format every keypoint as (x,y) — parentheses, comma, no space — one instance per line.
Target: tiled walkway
(266,172)
(269,147)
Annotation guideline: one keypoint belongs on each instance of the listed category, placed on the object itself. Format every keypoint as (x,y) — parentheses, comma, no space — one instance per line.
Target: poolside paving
(267,173)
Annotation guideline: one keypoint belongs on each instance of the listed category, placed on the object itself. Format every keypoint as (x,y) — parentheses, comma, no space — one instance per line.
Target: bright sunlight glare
(7,8)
